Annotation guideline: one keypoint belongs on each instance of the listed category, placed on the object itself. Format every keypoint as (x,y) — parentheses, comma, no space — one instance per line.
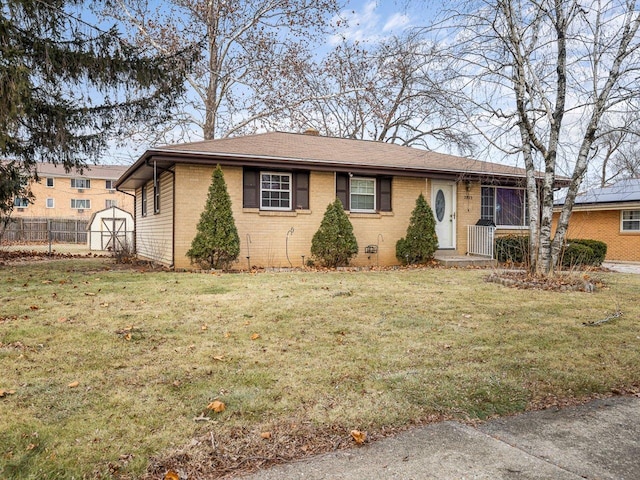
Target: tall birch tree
(541,78)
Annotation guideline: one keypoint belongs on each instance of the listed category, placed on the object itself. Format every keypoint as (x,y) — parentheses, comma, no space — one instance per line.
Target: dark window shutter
(301,183)
(384,194)
(342,189)
(251,188)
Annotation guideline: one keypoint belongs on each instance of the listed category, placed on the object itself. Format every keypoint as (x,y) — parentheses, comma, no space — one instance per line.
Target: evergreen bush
(421,241)
(217,244)
(334,244)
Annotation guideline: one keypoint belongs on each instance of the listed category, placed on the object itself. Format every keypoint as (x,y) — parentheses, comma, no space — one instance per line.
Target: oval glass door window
(440,205)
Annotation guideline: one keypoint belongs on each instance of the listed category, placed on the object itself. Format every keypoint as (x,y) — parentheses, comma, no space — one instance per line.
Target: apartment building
(61,194)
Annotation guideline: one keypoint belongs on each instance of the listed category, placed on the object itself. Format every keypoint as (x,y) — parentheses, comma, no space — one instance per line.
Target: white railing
(480,240)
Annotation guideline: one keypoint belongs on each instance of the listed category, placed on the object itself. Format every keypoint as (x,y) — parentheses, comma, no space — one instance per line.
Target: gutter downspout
(135,217)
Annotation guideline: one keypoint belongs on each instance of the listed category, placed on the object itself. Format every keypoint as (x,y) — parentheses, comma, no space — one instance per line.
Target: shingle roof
(319,152)
(622,191)
(314,148)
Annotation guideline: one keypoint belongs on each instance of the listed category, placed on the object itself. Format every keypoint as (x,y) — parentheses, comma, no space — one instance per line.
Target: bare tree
(541,77)
(618,151)
(389,92)
(247,47)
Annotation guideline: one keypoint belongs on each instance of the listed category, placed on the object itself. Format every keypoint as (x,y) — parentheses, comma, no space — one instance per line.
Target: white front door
(443,203)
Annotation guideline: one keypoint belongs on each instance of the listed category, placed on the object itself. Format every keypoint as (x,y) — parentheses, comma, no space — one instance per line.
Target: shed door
(444,210)
(114,234)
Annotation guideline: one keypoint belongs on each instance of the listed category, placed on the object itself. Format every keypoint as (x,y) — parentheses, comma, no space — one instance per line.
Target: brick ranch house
(281,183)
(611,215)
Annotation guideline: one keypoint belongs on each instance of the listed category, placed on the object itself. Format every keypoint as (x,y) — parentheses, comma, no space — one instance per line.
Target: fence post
(50,235)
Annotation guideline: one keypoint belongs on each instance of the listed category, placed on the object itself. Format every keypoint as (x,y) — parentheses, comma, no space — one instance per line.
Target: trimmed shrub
(512,248)
(334,243)
(599,249)
(217,244)
(576,254)
(584,252)
(421,241)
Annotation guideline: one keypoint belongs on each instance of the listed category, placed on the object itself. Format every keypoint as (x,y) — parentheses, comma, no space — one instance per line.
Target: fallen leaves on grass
(128,332)
(358,436)
(217,406)
(171,475)
(73,384)
(255,336)
(4,393)
(265,435)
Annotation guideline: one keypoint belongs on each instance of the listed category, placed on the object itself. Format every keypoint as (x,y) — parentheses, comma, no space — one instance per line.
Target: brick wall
(264,235)
(604,225)
(62,194)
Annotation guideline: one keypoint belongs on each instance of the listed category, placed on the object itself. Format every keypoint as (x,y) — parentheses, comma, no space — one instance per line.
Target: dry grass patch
(306,357)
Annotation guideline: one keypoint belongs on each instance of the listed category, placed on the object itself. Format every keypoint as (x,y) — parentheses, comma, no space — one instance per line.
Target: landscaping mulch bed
(561,282)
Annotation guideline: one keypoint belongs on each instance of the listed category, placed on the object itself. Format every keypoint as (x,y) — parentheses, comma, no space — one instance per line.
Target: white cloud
(367,21)
(397,21)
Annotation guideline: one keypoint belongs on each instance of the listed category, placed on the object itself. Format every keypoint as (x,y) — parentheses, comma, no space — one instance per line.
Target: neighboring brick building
(281,183)
(611,215)
(71,195)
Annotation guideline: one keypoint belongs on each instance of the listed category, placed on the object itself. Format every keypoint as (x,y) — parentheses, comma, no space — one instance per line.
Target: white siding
(154,231)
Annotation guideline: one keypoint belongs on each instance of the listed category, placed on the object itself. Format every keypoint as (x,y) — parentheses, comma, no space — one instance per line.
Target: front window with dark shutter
(301,182)
(384,194)
(273,190)
(364,194)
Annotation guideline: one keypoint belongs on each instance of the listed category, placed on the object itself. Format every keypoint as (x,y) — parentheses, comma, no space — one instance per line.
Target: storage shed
(111,229)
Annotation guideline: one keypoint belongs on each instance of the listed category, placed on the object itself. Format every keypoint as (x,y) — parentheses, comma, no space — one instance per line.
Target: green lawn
(313,354)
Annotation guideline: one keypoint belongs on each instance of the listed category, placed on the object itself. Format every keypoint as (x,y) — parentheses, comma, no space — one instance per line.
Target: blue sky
(368,21)
(371,19)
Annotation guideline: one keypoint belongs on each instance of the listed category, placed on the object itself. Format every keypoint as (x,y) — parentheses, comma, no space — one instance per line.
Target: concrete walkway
(599,440)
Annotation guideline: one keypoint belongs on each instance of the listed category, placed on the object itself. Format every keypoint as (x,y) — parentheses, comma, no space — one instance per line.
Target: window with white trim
(50,202)
(110,203)
(108,184)
(362,195)
(504,206)
(20,202)
(80,183)
(275,191)
(50,182)
(143,201)
(631,220)
(80,203)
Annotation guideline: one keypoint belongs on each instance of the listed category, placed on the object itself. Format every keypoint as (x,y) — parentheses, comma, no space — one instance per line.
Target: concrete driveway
(623,267)
(596,441)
